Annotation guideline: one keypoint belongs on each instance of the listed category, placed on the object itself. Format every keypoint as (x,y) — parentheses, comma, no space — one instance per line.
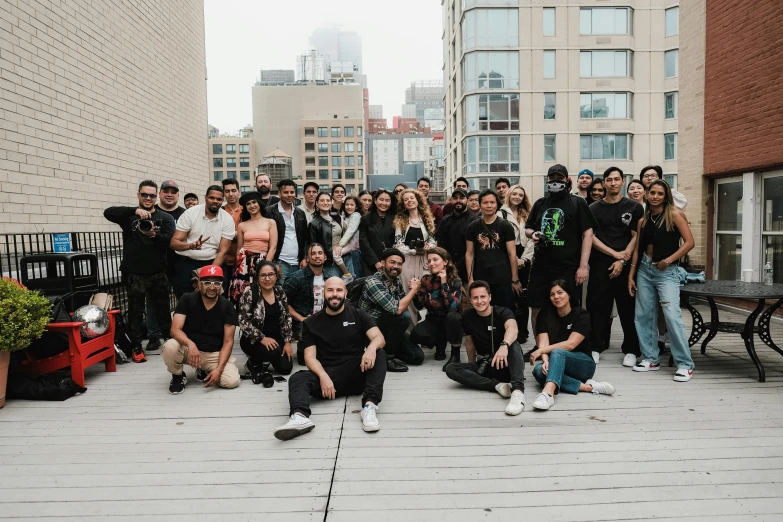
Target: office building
(397,158)
(338,45)
(276,76)
(376,112)
(94,98)
(423,95)
(233,157)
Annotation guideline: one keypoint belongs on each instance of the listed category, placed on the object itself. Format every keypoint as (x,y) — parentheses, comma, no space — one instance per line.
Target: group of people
(362,283)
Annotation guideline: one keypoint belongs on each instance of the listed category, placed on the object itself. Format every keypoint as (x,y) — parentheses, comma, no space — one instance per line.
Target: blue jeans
(567,370)
(654,286)
(353,262)
(332,271)
(287,269)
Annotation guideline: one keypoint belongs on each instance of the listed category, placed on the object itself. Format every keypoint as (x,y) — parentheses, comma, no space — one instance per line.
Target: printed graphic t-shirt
(490,256)
(562,222)
(318,293)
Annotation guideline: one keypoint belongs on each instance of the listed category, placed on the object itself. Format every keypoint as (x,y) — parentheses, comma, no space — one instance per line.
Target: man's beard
(388,273)
(459,208)
(214,209)
(264,190)
(317,265)
(334,308)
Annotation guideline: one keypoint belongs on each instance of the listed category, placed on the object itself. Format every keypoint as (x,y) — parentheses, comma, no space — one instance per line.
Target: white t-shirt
(318,293)
(194,221)
(288,245)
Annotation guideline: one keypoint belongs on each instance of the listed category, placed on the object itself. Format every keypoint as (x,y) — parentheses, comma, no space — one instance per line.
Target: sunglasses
(211,284)
(398,191)
(148,196)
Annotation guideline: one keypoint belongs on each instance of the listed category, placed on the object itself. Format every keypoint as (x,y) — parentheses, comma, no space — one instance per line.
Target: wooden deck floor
(711,449)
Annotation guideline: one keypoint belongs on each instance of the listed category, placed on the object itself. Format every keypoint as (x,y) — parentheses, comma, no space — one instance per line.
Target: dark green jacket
(299,289)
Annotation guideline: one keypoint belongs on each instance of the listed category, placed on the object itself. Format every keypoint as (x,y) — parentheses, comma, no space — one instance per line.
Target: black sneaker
(154,344)
(177,384)
(201,375)
(395,366)
(440,354)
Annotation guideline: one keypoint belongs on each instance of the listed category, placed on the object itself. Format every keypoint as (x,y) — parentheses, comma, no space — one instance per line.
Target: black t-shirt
(337,338)
(478,328)
(560,328)
(176,213)
(272,321)
(490,256)
(205,327)
(562,222)
(615,223)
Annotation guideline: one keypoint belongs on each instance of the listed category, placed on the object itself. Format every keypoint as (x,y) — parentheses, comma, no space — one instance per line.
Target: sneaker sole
(629,365)
(177,392)
(677,378)
(184,383)
(515,413)
(650,369)
(292,433)
(541,408)
(371,429)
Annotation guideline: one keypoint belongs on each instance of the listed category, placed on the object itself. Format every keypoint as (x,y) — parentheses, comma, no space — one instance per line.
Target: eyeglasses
(148,196)
(650,176)
(211,284)
(267,276)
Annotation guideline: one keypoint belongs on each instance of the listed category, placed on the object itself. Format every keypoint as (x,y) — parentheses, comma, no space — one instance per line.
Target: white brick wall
(95,97)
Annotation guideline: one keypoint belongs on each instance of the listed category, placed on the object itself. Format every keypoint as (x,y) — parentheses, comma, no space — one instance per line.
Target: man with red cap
(202,335)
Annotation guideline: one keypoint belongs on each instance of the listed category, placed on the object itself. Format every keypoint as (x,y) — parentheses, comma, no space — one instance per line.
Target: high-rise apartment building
(587,85)
(233,157)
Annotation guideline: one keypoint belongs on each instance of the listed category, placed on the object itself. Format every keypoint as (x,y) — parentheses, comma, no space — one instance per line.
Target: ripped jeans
(654,286)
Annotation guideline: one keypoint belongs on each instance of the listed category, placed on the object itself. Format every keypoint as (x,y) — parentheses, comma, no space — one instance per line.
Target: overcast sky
(400,43)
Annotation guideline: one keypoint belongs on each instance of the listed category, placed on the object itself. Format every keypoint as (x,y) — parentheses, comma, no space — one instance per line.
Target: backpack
(122,340)
(52,343)
(355,289)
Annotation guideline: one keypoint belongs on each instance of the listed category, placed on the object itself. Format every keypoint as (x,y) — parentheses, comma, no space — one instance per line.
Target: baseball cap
(557,169)
(210,271)
(586,171)
(459,191)
(170,183)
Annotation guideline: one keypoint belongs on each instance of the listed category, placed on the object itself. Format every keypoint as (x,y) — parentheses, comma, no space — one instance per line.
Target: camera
(483,364)
(147,225)
(543,242)
(417,244)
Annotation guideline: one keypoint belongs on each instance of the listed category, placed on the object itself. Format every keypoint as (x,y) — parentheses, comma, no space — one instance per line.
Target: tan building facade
(333,152)
(233,158)
(584,84)
(94,98)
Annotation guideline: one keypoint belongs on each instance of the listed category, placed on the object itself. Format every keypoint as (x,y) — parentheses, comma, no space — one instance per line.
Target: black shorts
(540,279)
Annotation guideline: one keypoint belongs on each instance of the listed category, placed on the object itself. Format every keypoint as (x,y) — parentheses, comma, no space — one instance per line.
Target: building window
(217,148)
(335,147)
(604,105)
(471,3)
(350,161)
(244,148)
(670,146)
(323,132)
(323,174)
(604,63)
(604,146)
(359,146)
(323,161)
(335,132)
(309,131)
(217,162)
(358,131)
(323,147)
(728,229)
(488,112)
(549,105)
(605,20)
(231,149)
(336,161)
(244,188)
(217,175)
(244,175)
(337,174)
(309,148)
(348,147)
(490,154)
(245,162)
(361,175)
(348,132)
(673,21)
(231,174)
(490,28)
(670,99)
(231,162)
(490,70)
(671,179)
(350,174)
(670,59)
(309,174)
(549,64)
(772,231)
(549,21)
(550,141)
(361,160)
(309,162)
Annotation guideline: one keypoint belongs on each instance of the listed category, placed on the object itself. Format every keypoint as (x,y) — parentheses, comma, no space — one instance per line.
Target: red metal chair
(79,355)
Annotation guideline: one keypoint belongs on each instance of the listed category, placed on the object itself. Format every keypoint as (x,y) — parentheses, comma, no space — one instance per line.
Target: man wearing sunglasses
(146,233)
(202,335)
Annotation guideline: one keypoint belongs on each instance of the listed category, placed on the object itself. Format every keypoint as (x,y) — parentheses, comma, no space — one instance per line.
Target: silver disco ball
(95,319)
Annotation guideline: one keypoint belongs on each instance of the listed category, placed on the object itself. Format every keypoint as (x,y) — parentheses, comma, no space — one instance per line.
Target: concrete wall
(94,98)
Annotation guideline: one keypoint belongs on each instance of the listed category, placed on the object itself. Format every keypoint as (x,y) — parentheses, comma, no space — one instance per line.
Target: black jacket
(300,224)
(320,231)
(452,238)
(142,254)
(374,238)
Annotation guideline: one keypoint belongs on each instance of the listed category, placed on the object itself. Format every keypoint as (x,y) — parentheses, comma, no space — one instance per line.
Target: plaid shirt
(381,295)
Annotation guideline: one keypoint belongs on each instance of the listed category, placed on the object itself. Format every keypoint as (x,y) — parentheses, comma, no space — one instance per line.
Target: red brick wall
(743,106)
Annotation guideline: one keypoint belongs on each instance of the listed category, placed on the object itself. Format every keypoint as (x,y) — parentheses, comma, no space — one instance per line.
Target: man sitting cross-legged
(495,358)
(202,335)
(340,361)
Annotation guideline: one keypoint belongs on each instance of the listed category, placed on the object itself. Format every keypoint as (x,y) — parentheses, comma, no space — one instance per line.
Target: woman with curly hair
(414,234)
(256,241)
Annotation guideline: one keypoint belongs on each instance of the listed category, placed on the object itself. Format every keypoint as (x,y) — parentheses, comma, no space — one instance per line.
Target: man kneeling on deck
(339,360)
(202,335)
(495,358)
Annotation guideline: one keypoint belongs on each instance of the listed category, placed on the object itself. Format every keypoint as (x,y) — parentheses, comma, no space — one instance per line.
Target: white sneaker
(543,401)
(504,389)
(596,357)
(646,366)
(629,360)
(683,375)
(604,388)
(516,404)
(369,418)
(297,425)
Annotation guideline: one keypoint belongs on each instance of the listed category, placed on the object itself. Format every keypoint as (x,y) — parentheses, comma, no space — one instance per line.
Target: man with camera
(146,233)
(495,360)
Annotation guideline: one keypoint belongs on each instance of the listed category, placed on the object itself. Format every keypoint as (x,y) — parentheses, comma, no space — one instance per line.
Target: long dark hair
(596,181)
(669,210)
(551,317)
(245,215)
(392,206)
(451,270)
(261,264)
(356,202)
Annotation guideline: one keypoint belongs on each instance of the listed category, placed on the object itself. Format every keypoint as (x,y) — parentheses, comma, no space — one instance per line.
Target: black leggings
(437,330)
(257,353)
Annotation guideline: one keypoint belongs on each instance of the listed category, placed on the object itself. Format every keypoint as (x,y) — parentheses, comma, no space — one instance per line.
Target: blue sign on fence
(61,242)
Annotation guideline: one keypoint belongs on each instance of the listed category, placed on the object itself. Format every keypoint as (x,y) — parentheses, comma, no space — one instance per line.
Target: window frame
(553,95)
(628,147)
(484,35)
(552,12)
(550,53)
(675,105)
(475,60)
(628,21)
(592,94)
(674,146)
(231,148)
(553,145)
(667,20)
(628,62)
(676,63)
(736,233)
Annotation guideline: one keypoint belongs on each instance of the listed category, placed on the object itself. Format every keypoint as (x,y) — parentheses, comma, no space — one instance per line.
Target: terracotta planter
(5,358)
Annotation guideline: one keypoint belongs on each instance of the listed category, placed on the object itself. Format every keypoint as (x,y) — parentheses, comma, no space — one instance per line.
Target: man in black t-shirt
(495,360)
(340,361)
(491,252)
(610,262)
(562,226)
(202,334)
(453,230)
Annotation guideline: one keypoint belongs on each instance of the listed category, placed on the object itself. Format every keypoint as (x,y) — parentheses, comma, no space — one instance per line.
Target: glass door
(772,230)
(728,229)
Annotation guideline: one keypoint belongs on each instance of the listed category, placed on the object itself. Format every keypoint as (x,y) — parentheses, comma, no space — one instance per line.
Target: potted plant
(23,317)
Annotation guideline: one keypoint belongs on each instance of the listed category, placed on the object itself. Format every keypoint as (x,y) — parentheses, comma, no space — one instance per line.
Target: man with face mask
(452,232)
(561,225)
(338,363)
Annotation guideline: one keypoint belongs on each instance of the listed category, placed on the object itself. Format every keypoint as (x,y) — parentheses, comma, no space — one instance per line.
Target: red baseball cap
(210,271)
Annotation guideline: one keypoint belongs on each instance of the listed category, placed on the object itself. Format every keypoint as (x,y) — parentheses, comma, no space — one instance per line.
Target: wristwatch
(622,261)
(515,281)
